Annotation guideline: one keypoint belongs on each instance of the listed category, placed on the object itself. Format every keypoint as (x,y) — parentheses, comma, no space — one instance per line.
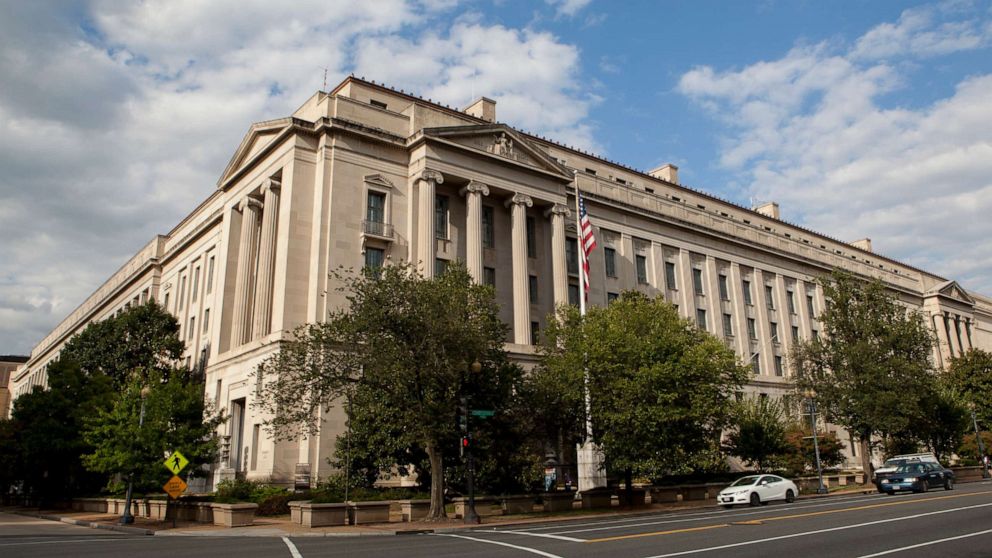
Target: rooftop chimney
(769,209)
(667,172)
(864,244)
(484,108)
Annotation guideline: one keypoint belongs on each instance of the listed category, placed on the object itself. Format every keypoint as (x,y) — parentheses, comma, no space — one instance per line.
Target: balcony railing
(376,228)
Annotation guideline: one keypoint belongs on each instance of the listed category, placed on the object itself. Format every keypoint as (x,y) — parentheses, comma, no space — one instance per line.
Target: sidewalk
(280,526)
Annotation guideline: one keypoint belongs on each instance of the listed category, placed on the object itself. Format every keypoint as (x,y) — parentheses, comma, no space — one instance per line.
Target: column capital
(520,199)
(271,185)
(432,175)
(474,187)
(558,209)
(249,202)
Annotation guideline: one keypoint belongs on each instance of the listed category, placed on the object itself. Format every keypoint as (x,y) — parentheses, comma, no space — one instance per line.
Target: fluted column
(559,266)
(426,243)
(949,329)
(251,210)
(262,323)
(473,231)
(518,205)
(943,343)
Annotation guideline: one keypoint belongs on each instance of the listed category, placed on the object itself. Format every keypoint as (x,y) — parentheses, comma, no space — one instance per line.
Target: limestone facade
(366,175)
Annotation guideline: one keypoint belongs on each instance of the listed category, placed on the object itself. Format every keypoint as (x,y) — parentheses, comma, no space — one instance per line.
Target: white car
(758,489)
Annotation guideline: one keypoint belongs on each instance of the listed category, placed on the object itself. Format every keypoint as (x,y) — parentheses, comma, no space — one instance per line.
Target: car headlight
(885,481)
(909,479)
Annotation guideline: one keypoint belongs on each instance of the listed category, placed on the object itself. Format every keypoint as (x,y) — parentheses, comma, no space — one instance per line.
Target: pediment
(954,291)
(500,141)
(259,136)
(379,180)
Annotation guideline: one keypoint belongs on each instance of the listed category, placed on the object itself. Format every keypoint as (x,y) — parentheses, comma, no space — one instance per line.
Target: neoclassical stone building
(365,175)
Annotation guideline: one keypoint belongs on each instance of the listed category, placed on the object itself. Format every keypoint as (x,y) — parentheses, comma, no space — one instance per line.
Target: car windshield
(745,481)
(913,468)
(894,462)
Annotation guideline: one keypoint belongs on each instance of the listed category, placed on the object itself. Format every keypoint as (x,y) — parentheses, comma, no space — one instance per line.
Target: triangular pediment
(379,180)
(500,141)
(259,136)
(954,291)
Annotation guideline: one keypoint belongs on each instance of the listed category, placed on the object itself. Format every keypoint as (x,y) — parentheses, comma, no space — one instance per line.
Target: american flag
(588,241)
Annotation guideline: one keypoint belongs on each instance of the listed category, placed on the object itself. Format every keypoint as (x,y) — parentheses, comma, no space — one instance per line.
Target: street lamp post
(127,518)
(471,516)
(811,396)
(978,439)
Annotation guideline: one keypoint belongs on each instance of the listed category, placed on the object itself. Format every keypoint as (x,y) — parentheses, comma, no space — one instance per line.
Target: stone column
(949,331)
(784,320)
(559,266)
(967,330)
(715,308)
(943,344)
(763,316)
(426,243)
(740,312)
(805,320)
(687,306)
(251,210)
(473,231)
(262,323)
(518,205)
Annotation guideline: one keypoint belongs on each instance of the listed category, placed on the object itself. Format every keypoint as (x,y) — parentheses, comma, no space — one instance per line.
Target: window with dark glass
(751,330)
(441,217)
(531,238)
(697,281)
(773,331)
(670,276)
(746,286)
(790,298)
(795,333)
(641,264)
(816,335)
(610,297)
(375,211)
(573,294)
(210,275)
(532,288)
(572,256)
(779,369)
(440,266)
(724,289)
(610,256)
(535,333)
(489,276)
(701,318)
(756,364)
(488,227)
(374,257)
(809,306)
(728,325)
(769,297)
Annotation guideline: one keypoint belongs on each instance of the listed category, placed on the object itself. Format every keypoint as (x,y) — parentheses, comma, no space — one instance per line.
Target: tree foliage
(799,457)
(758,432)
(659,386)
(402,343)
(970,376)
(871,368)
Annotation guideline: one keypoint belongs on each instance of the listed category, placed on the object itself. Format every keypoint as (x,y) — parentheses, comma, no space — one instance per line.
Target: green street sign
(482,413)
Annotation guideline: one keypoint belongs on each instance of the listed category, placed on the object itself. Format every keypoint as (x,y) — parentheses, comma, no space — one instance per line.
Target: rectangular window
(769,297)
(724,289)
(206,320)
(532,288)
(535,333)
(376,210)
(531,237)
(670,276)
(610,297)
(795,334)
(697,281)
(377,104)
(610,255)
(746,286)
(489,276)
(641,263)
(196,283)
(701,318)
(166,302)
(756,364)
(751,330)
(809,306)
(374,258)
(441,217)
(816,335)
(790,298)
(572,256)
(192,328)
(181,303)
(779,370)
(728,325)
(210,275)
(440,266)
(573,294)
(488,227)
(773,331)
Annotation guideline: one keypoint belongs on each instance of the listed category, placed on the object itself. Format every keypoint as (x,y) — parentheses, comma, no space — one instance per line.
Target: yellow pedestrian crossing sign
(176,462)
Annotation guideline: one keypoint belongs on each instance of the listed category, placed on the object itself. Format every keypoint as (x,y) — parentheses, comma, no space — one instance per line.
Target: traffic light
(465,445)
(463,414)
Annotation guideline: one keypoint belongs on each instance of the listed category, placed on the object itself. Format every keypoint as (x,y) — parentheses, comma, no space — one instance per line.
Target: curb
(92,524)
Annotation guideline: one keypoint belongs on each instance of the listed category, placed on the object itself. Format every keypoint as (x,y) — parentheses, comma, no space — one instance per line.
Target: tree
(757,431)
(800,455)
(871,368)
(408,341)
(946,420)
(659,385)
(970,376)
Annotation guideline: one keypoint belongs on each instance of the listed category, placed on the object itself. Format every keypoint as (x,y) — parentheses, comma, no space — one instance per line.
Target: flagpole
(590,458)
(579,247)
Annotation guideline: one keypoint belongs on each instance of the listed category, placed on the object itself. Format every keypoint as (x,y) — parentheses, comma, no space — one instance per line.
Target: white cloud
(568,8)
(920,32)
(116,119)
(811,130)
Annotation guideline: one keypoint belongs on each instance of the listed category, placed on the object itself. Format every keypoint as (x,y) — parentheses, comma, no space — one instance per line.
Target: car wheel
(948,484)
(924,486)
(790,496)
(755,499)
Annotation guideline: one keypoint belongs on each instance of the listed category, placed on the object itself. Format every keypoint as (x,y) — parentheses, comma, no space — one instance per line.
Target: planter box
(116,506)
(296,512)
(517,504)
(414,510)
(664,494)
(139,508)
(322,515)
(637,496)
(597,498)
(368,512)
(967,474)
(157,509)
(234,515)
(96,505)
(558,501)
(484,507)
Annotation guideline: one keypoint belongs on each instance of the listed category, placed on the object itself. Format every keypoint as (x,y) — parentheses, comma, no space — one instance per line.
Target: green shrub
(271,500)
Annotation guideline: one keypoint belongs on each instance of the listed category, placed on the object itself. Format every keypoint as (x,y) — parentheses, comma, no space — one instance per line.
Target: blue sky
(862,119)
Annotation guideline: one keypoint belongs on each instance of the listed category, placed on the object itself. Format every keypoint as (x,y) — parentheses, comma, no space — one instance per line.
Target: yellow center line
(781,517)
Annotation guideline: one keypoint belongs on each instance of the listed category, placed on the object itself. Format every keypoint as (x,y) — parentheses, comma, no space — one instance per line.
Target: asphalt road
(938,523)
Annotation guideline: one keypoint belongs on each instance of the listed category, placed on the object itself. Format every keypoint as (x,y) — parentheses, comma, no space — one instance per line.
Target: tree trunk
(866,458)
(436,513)
(628,479)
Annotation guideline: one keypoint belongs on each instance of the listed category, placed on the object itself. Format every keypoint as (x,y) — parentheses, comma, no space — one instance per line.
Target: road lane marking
(798,515)
(657,533)
(816,532)
(523,548)
(292,548)
(543,535)
(928,543)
